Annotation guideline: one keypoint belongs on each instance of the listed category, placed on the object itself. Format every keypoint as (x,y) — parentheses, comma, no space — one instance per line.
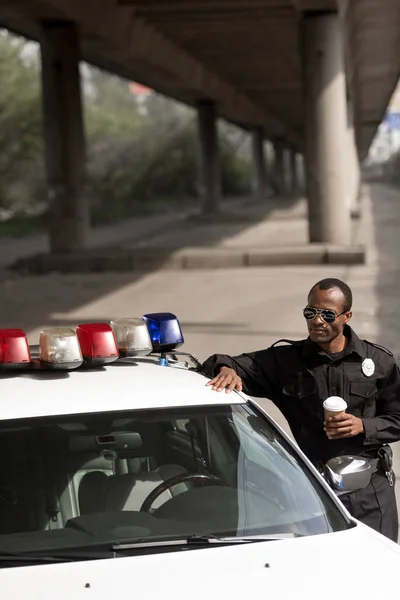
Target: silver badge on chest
(368,367)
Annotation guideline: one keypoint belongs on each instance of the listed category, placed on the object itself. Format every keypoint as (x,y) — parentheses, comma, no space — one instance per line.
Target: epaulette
(290,342)
(379,347)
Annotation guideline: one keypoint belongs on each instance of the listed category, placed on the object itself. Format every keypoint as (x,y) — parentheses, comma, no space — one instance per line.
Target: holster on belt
(382,459)
(385,454)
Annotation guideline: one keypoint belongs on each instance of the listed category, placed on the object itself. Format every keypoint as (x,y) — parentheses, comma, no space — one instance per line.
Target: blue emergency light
(165,331)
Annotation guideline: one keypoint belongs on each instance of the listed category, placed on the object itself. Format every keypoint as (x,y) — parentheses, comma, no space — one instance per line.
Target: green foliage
(20,119)
(142,153)
(235,171)
(110,110)
(21,225)
(156,170)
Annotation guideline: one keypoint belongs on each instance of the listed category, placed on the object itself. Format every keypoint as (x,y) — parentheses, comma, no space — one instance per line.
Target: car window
(109,477)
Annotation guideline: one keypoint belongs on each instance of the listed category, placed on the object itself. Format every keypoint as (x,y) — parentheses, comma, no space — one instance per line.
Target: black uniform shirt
(298,376)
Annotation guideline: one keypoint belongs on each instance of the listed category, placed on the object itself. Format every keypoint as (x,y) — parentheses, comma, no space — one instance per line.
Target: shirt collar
(353,345)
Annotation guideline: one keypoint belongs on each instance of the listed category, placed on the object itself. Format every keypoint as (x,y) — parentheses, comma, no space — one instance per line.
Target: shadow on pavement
(29,300)
(154,243)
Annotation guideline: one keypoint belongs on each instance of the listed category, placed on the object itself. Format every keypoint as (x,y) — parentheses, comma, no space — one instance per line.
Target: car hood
(329,566)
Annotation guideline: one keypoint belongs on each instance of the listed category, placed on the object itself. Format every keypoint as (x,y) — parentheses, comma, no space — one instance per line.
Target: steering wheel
(172,481)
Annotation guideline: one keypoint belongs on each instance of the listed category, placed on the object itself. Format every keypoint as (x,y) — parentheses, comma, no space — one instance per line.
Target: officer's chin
(319,336)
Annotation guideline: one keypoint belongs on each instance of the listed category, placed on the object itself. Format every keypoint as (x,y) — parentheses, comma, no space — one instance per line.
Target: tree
(137,159)
(20,117)
(111,110)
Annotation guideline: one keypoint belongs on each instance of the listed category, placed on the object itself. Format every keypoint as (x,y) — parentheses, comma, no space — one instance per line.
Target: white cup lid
(335,404)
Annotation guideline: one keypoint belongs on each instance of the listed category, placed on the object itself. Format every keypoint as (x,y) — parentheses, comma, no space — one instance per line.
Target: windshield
(72,482)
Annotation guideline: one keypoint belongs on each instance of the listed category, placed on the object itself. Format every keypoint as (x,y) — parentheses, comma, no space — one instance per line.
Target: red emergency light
(98,344)
(14,349)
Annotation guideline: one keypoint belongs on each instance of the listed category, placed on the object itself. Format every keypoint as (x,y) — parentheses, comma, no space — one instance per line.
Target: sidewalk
(14,249)
(244,234)
(129,231)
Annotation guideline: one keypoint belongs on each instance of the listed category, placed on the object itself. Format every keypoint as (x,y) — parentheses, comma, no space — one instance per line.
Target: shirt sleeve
(256,369)
(385,427)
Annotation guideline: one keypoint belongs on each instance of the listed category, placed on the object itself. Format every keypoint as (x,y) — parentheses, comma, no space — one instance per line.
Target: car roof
(127,384)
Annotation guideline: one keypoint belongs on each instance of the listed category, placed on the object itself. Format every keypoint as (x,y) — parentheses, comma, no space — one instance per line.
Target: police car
(122,474)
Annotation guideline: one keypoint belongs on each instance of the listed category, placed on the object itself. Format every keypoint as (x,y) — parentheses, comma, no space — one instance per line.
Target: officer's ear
(347,316)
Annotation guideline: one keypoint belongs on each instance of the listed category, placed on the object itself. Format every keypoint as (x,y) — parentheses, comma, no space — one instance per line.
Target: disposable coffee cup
(333,406)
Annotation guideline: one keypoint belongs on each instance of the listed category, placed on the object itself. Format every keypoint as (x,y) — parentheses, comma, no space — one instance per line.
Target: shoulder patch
(379,347)
(288,342)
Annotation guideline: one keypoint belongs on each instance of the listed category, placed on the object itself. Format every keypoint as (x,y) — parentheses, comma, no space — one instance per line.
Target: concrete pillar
(325,128)
(353,164)
(293,169)
(64,136)
(279,167)
(209,168)
(301,172)
(259,170)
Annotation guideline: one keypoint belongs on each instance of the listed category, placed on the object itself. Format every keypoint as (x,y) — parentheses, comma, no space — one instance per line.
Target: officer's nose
(318,320)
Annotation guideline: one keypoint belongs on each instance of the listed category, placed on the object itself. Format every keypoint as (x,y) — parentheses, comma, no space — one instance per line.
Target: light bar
(14,349)
(165,331)
(59,348)
(132,337)
(98,343)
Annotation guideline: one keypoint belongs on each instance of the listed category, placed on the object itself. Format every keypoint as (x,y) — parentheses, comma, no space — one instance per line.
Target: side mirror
(347,474)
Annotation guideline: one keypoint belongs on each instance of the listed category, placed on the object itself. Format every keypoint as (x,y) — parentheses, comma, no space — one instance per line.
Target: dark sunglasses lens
(309,313)
(328,316)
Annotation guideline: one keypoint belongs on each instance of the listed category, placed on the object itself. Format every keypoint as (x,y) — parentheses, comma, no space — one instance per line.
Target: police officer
(299,375)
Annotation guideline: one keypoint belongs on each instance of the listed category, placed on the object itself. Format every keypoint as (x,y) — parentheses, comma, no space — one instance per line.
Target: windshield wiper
(77,554)
(58,557)
(7,557)
(199,540)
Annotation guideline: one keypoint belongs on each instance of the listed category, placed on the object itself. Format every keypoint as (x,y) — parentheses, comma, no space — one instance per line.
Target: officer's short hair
(329,283)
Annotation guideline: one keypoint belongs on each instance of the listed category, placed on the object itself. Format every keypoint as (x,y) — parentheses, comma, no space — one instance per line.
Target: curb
(149,259)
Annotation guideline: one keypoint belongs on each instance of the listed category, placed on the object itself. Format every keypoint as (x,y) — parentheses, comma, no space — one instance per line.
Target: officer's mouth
(318,331)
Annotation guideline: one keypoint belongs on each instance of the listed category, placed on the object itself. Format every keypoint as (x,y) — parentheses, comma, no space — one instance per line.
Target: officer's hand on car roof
(227,380)
(343,426)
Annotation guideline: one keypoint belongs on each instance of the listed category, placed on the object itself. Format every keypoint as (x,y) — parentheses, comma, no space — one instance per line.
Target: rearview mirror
(347,474)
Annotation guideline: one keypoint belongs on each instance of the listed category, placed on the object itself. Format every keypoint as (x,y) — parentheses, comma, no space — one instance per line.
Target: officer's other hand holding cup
(334,406)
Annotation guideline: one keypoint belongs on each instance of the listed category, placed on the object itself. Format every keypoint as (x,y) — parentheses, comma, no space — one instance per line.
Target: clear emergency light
(97,343)
(165,331)
(59,348)
(14,349)
(132,335)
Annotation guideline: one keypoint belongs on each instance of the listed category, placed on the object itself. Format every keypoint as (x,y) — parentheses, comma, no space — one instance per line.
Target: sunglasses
(328,315)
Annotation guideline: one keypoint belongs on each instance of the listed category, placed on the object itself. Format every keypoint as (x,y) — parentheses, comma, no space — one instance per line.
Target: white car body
(356,561)
(307,569)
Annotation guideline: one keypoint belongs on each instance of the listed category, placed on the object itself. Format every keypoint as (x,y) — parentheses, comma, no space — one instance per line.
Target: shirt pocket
(301,403)
(362,400)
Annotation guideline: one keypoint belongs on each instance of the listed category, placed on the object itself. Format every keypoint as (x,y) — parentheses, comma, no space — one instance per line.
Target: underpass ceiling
(244,54)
